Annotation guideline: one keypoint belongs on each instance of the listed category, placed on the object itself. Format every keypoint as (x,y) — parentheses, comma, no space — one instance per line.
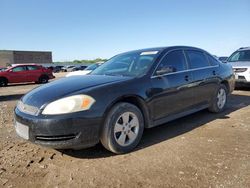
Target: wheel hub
(221,98)
(126,129)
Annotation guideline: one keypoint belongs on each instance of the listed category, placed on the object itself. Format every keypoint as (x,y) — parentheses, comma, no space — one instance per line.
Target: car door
(33,72)
(172,90)
(18,74)
(205,79)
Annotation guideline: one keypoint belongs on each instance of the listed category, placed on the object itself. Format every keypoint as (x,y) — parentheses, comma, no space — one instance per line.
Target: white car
(240,61)
(88,70)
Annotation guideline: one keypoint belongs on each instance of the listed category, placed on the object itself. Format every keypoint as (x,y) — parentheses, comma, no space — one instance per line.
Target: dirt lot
(201,150)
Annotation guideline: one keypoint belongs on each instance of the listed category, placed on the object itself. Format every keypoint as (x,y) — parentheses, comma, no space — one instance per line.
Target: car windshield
(129,64)
(240,56)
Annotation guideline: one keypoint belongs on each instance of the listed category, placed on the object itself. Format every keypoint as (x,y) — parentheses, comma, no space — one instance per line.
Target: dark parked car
(57,68)
(77,68)
(130,92)
(223,59)
(68,68)
(25,73)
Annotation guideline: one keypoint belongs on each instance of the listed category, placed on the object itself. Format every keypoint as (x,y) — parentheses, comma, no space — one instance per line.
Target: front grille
(25,108)
(56,138)
(240,69)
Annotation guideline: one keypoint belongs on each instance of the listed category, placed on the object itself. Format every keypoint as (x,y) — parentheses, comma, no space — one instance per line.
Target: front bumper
(242,77)
(59,132)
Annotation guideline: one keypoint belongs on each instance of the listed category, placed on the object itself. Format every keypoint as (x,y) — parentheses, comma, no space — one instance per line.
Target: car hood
(65,87)
(240,64)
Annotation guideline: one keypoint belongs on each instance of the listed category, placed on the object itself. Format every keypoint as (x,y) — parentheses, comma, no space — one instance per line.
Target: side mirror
(10,70)
(165,70)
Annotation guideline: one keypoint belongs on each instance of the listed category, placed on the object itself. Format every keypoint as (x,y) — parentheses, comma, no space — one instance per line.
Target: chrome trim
(188,70)
(187,64)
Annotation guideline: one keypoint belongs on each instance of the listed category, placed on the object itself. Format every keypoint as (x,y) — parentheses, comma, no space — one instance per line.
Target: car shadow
(10,97)
(244,88)
(169,130)
(22,84)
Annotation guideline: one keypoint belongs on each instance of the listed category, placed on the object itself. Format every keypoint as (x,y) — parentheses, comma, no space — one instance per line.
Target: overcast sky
(87,29)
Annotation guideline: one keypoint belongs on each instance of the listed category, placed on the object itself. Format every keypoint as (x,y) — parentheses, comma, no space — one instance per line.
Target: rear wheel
(43,79)
(219,100)
(123,128)
(3,82)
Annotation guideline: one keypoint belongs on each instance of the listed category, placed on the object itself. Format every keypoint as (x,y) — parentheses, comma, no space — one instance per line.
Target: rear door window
(32,67)
(197,59)
(212,60)
(174,59)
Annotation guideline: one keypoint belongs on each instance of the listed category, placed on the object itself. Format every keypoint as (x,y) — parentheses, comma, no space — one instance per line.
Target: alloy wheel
(126,129)
(221,98)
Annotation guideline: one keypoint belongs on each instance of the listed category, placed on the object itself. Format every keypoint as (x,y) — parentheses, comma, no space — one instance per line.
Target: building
(8,57)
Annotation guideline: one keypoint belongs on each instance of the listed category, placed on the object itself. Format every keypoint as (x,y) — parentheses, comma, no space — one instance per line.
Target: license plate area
(22,130)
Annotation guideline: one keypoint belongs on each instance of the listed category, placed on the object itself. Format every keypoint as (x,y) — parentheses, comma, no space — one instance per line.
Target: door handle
(186,78)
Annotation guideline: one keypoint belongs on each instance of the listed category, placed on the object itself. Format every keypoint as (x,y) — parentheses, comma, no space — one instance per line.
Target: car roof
(164,48)
(243,48)
(15,65)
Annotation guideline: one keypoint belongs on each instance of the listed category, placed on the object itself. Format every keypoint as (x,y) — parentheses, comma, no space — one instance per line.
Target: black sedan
(130,92)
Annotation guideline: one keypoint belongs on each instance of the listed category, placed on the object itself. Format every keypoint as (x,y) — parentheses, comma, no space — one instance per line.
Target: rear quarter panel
(227,74)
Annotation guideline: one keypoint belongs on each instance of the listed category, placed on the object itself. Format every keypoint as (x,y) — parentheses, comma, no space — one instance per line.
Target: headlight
(70,104)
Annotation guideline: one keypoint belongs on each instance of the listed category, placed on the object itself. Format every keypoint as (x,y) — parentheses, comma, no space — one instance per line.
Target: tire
(219,100)
(43,80)
(3,82)
(123,128)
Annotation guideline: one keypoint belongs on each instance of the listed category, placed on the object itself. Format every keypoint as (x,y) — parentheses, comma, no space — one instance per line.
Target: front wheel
(219,101)
(123,128)
(3,82)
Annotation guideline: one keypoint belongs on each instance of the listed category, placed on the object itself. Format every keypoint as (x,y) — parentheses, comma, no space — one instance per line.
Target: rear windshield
(240,56)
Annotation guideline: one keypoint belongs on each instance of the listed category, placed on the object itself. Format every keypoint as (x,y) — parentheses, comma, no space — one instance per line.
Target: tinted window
(240,56)
(197,59)
(32,67)
(18,69)
(212,60)
(175,60)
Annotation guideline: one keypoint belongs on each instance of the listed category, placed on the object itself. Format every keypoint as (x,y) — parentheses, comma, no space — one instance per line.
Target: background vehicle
(240,61)
(68,68)
(77,68)
(25,73)
(87,70)
(130,92)
(2,69)
(57,68)
(223,59)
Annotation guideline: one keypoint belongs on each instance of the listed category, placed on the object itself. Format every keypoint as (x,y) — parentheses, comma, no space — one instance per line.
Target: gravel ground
(200,150)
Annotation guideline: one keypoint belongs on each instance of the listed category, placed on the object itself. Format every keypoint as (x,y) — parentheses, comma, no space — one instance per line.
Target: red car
(25,73)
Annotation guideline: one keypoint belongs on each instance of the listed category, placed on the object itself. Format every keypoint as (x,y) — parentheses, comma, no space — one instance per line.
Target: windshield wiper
(113,74)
